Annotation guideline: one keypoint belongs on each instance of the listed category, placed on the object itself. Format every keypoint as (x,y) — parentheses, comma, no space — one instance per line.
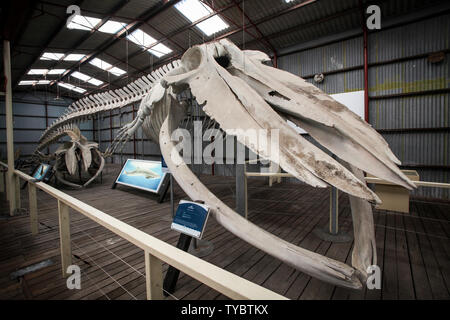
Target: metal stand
(241,189)
(201,248)
(331,232)
(172,205)
(165,186)
(171,279)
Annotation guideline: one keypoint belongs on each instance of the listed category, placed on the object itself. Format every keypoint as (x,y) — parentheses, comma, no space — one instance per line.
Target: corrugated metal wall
(29,116)
(415,125)
(106,128)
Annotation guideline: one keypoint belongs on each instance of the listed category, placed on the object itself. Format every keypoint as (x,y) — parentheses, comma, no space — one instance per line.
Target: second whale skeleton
(238,90)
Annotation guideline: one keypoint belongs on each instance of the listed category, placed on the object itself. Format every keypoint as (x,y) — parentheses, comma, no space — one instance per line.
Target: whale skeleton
(71,153)
(239,91)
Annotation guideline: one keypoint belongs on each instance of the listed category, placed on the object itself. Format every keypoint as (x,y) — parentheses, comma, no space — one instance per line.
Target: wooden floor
(413,249)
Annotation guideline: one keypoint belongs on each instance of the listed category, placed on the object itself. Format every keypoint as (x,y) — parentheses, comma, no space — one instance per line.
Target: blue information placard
(164,167)
(41,171)
(190,218)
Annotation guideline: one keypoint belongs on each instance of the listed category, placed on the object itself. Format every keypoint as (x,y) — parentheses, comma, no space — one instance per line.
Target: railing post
(153,277)
(2,183)
(33,208)
(17,186)
(64,236)
(5,175)
(9,127)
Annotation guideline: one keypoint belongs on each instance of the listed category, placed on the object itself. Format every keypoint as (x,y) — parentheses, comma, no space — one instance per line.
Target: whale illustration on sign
(142,171)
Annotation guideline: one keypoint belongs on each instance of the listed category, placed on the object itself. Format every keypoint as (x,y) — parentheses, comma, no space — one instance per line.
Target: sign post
(190,220)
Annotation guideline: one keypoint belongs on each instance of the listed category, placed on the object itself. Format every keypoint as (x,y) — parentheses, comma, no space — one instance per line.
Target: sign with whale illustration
(142,174)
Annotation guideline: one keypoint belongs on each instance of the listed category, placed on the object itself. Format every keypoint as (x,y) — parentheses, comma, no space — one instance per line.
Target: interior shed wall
(416,125)
(30,121)
(107,127)
(409,102)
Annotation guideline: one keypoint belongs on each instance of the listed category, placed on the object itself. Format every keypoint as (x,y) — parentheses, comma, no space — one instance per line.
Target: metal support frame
(366,63)
(329,233)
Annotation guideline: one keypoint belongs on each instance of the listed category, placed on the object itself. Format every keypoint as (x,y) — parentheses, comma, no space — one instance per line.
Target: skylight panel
(52,56)
(141,38)
(33,82)
(56,71)
(195,10)
(87,78)
(83,23)
(107,67)
(117,71)
(212,25)
(95,82)
(27,82)
(80,76)
(37,71)
(66,85)
(74,57)
(100,64)
(144,40)
(160,50)
(112,27)
(79,90)
(71,87)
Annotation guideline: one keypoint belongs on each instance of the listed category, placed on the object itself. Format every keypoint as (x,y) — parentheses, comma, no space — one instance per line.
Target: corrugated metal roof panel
(135,8)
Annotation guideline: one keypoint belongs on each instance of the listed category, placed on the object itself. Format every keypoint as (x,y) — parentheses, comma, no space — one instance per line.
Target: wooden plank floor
(413,249)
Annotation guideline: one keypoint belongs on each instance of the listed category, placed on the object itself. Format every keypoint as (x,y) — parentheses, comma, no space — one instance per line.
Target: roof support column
(12,195)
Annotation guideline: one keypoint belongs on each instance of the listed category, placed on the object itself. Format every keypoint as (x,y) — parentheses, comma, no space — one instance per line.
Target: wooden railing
(156,251)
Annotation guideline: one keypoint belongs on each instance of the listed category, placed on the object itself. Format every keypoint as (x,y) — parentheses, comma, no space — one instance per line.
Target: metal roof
(270,25)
